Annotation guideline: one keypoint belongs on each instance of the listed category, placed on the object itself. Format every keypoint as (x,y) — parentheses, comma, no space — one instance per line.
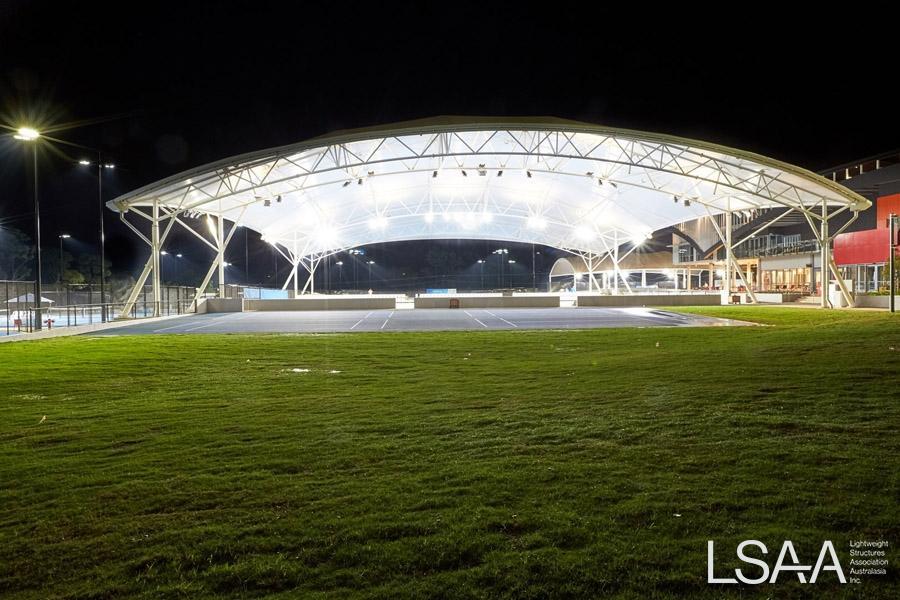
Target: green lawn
(464,464)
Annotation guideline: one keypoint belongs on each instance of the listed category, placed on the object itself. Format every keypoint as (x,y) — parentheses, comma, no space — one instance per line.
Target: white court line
(388,319)
(216,320)
(174,327)
(225,316)
(361,320)
(501,318)
(476,320)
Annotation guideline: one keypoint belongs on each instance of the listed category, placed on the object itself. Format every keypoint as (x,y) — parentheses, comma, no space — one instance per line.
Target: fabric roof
(539,180)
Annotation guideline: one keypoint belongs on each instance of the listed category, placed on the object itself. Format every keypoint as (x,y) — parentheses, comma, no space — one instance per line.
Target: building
(862,252)
(778,249)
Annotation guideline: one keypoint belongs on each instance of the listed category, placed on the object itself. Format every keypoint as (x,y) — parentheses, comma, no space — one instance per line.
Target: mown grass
(465,464)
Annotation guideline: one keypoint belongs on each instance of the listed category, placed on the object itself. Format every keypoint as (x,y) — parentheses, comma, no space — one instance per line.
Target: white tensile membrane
(558,183)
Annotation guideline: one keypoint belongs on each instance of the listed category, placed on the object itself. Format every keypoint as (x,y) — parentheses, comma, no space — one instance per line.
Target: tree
(89,266)
(16,255)
(51,269)
(72,276)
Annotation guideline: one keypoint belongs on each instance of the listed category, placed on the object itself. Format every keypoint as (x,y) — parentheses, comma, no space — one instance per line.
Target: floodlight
(27,134)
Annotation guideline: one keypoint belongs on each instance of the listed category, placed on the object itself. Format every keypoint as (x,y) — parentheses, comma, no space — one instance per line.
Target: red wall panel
(871,246)
(861,247)
(885,206)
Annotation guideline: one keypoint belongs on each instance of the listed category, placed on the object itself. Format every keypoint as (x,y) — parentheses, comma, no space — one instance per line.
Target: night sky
(180,84)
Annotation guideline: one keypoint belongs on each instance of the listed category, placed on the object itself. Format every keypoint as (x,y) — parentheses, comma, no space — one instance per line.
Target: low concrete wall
(654,300)
(863,301)
(770,297)
(322,303)
(489,301)
(221,305)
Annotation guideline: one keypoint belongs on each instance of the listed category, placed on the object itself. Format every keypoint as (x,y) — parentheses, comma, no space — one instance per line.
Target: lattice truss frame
(580,189)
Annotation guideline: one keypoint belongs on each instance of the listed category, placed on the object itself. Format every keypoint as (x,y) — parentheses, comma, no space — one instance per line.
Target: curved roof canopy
(548,181)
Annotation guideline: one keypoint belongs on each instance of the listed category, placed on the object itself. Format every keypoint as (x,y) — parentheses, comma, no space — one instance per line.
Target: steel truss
(582,188)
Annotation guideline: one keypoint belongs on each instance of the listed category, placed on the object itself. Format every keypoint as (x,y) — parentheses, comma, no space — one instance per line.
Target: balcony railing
(798,247)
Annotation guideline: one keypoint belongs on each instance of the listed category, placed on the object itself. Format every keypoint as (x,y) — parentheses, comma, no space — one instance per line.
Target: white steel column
(643,278)
(155,249)
(297,260)
(617,273)
(825,256)
(590,264)
(220,243)
(728,256)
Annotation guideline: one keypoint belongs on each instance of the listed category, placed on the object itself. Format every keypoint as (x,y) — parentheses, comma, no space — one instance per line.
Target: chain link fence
(71,305)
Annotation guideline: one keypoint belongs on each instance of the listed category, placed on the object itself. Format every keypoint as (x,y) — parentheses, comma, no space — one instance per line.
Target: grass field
(468,464)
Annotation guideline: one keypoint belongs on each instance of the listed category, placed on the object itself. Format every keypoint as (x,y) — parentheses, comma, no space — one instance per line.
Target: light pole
(275,262)
(481,269)
(101,166)
(892,243)
(370,263)
(28,134)
(62,236)
(500,252)
(533,282)
(340,266)
(512,262)
(163,254)
(356,253)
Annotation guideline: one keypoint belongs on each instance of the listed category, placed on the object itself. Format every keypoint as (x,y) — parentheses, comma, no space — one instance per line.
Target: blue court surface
(347,321)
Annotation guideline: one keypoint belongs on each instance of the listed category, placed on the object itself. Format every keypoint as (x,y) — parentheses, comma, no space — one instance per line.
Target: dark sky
(176,85)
